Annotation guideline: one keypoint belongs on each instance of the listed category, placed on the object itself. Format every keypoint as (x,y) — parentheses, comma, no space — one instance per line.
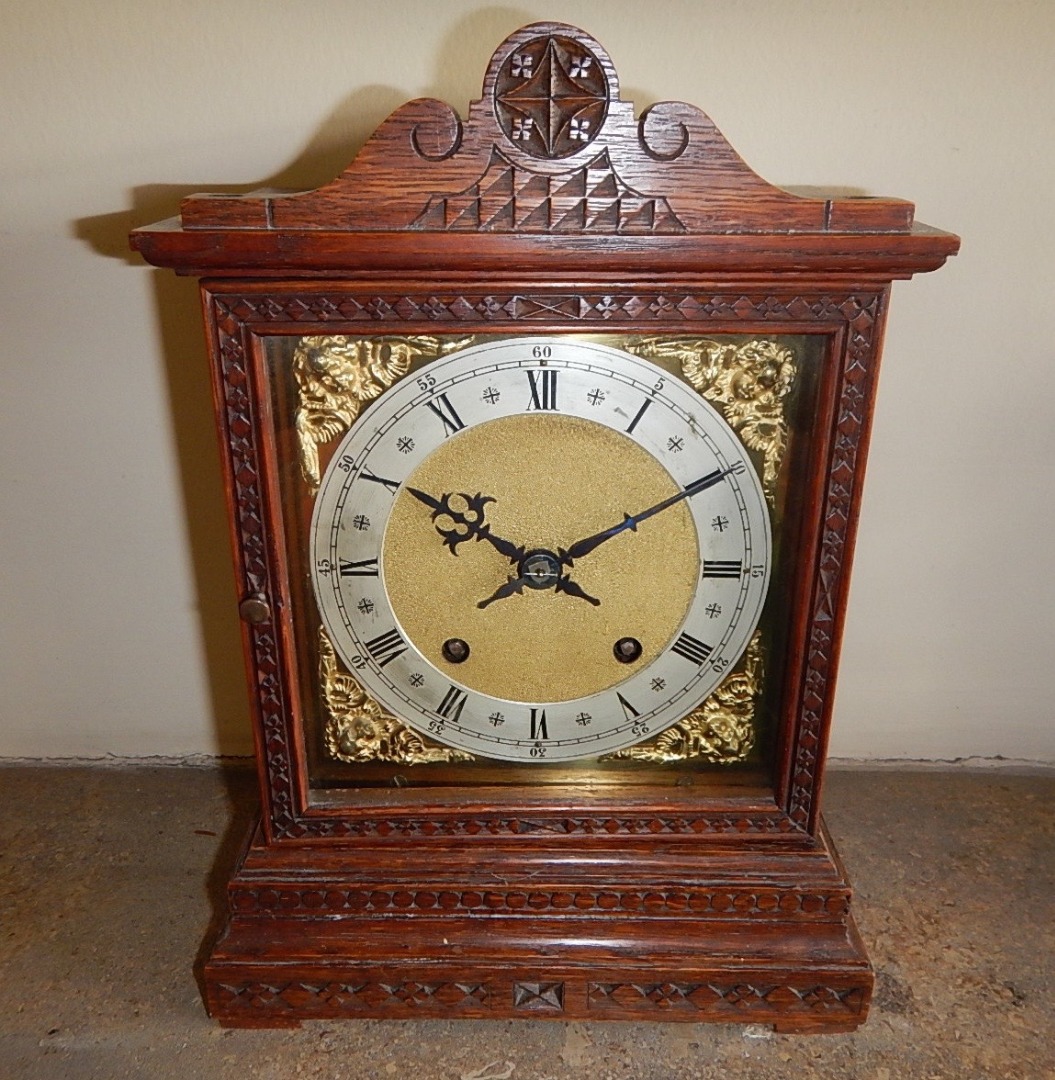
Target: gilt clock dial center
(549,480)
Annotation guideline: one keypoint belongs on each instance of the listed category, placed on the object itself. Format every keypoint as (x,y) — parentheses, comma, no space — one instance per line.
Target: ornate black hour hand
(631,522)
(467,524)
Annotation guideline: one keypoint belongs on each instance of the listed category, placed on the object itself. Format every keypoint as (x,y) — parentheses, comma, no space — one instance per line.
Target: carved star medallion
(551,97)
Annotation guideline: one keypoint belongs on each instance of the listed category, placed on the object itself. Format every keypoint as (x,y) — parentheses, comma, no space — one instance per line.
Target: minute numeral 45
(723,568)
(692,649)
(543,389)
(442,407)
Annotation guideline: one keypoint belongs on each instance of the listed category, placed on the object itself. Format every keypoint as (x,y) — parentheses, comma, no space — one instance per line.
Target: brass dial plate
(651,520)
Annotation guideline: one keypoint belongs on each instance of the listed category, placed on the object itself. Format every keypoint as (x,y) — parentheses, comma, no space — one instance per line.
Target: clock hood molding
(549,153)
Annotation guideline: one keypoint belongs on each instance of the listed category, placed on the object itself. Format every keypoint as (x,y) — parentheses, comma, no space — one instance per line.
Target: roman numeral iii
(723,568)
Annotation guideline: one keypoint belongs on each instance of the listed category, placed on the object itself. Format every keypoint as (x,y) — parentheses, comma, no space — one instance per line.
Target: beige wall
(118,630)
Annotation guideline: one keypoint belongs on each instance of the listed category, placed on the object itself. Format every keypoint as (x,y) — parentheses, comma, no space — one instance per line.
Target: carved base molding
(729,938)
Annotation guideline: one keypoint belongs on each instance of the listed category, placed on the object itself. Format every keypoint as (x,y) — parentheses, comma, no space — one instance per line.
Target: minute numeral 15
(543,385)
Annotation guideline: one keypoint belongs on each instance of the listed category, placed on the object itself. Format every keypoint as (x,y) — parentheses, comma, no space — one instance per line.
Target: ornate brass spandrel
(359,730)
(721,730)
(335,376)
(749,381)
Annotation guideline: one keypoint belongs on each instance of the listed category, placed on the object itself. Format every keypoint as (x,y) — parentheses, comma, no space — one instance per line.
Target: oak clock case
(543,433)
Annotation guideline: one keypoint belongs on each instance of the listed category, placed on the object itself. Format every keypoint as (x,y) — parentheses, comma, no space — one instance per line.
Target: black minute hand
(584,547)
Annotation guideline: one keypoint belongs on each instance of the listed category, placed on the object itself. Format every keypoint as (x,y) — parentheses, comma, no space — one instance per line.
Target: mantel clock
(543,434)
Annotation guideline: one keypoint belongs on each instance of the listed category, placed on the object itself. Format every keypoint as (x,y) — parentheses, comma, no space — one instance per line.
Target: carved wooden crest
(549,147)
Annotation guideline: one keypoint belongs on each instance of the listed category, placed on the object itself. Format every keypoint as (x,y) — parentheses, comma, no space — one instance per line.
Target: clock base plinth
(759,938)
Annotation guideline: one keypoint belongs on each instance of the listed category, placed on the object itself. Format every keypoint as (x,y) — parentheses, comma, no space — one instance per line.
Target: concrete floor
(109,879)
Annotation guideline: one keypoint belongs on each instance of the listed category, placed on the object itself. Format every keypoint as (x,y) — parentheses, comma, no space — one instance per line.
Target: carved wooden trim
(737,1001)
(611,901)
(360,995)
(237,315)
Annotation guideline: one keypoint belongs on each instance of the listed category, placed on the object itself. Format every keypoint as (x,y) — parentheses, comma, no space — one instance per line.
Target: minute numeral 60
(541,352)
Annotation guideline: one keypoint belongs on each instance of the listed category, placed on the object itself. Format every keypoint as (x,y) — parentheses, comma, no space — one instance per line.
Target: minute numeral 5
(543,385)
(442,407)
(723,568)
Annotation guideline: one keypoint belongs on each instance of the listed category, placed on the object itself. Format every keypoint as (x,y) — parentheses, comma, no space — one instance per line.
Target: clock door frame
(242,314)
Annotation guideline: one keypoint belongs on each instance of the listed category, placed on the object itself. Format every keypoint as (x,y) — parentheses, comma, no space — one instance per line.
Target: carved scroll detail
(749,381)
(360,730)
(336,375)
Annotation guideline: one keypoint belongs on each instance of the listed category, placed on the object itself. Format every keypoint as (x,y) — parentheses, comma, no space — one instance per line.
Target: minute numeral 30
(543,385)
